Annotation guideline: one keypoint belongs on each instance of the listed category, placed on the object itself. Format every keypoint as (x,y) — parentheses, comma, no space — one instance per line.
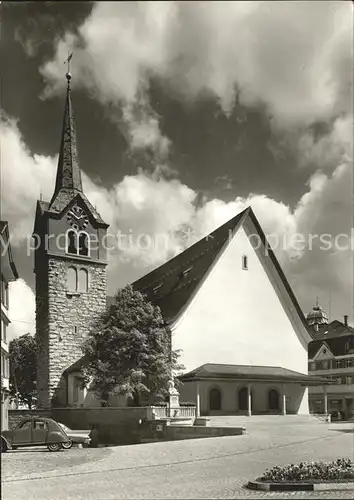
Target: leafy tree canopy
(23,373)
(128,351)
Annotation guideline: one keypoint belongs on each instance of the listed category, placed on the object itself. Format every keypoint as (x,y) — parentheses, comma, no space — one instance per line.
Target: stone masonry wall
(42,332)
(69,319)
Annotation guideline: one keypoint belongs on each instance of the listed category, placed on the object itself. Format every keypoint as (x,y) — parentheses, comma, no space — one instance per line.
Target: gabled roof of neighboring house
(249,372)
(333,330)
(336,336)
(8,266)
(172,285)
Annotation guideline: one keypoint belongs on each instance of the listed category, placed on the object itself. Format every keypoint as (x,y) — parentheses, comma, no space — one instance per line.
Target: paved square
(202,468)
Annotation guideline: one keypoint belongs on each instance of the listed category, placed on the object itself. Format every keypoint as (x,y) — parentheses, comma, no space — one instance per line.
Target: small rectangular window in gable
(244,262)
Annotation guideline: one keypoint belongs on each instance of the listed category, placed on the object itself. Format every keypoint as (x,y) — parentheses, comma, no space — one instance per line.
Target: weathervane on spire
(67,61)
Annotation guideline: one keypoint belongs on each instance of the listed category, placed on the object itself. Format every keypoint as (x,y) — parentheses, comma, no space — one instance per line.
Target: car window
(25,425)
(64,427)
(38,424)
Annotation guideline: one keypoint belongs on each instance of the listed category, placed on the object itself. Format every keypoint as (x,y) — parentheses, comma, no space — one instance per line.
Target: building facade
(234,263)
(8,274)
(331,355)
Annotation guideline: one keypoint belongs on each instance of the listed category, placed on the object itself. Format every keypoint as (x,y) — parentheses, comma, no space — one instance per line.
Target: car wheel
(3,446)
(54,446)
(67,445)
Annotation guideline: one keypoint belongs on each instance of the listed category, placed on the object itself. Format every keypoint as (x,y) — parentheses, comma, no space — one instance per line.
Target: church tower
(70,268)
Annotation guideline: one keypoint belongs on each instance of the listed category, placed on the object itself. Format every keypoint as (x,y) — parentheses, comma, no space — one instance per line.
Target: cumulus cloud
(24,176)
(294,60)
(145,207)
(22,308)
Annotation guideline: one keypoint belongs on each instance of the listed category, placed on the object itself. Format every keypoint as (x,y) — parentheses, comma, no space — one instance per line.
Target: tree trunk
(136,398)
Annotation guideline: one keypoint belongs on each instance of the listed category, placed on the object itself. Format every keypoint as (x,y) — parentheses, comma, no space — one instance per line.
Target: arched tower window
(72,242)
(84,244)
(83,280)
(72,279)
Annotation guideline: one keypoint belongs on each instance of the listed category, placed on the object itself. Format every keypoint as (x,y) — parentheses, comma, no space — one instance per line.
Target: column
(283,396)
(197,409)
(249,400)
(325,397)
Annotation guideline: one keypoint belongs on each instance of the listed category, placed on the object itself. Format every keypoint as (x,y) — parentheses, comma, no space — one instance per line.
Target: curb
(261,486)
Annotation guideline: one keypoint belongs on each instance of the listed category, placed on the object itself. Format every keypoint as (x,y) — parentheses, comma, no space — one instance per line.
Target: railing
(166,412)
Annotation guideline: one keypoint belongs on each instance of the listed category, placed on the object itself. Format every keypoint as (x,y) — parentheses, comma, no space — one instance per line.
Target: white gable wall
(237,317)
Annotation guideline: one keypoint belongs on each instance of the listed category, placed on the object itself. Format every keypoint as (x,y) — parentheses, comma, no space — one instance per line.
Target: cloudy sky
(186,113)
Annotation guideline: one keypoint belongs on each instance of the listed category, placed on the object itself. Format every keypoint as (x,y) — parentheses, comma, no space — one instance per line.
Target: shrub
(340,469)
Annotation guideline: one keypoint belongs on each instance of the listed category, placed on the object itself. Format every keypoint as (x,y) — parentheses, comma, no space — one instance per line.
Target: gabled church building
(243,336)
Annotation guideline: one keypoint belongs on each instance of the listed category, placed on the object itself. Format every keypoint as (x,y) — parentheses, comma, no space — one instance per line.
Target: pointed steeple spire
(68,173)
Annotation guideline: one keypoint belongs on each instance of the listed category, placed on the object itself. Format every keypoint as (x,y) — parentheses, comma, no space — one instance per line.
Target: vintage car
(76,437)
(34,431)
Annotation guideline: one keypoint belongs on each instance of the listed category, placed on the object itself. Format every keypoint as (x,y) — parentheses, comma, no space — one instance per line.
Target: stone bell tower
(70,268)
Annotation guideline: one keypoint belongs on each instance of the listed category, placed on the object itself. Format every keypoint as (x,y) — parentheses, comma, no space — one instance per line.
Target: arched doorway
(243,399)
(273,400)
(215,399)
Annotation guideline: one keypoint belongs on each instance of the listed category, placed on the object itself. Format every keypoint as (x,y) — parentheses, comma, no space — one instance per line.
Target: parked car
(34,431)
(75,437)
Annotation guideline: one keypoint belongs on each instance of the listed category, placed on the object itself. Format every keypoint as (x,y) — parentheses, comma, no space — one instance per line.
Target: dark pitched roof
(171,285)
(68,172)
(339,339)
(68,184)
(67,196)
(334,329)
(224,371)
(76,367)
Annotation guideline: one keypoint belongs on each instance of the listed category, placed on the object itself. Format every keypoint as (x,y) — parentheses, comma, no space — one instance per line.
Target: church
(236,362)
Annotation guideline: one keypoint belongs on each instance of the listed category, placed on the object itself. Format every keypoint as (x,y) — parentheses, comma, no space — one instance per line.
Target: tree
(128,351)
(23,373)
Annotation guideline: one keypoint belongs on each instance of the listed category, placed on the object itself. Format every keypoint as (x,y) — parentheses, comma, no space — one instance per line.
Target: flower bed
(341,470)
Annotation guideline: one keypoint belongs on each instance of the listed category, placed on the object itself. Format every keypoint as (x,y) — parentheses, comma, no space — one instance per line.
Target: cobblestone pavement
(202,468)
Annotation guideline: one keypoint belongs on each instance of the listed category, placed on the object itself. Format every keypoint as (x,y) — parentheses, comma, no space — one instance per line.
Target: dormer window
(157,287)
(185,272)
(244,262)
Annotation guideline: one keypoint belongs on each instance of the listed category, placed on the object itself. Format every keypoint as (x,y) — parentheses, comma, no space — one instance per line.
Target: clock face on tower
(77,218)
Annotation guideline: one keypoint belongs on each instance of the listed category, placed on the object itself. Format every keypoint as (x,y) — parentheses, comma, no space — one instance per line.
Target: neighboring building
(255,337)
(331,354)
(8,274)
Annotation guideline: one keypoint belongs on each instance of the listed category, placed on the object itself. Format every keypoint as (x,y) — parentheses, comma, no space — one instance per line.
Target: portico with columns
(246,390)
